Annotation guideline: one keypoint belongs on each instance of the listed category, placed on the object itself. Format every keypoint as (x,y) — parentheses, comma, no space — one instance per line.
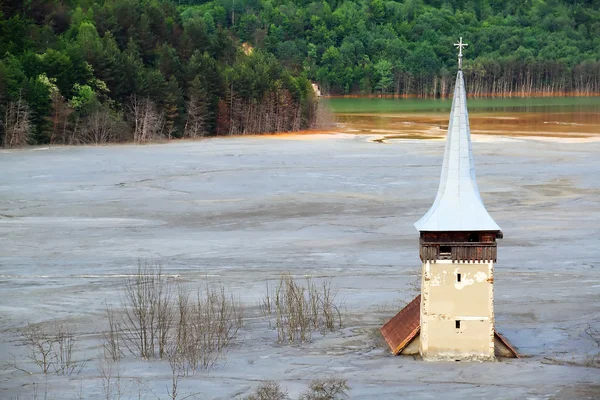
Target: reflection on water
(577,117)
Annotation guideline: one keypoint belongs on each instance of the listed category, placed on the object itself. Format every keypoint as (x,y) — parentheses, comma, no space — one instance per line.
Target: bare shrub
(160,320)
(148,122)
(331,315)
(268,390)
(64,347)
(52,349)
(17,124)
(299,310)
(61,132)
(292,311)
(327,389)
(592,359)
(101,126)
(207,324)
(40,344)
(148,313)
(111,339)
(265,304)
(176,362)
(195,124)
(112,385)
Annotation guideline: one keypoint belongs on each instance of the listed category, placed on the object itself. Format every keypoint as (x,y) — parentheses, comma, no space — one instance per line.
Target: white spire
(458,205)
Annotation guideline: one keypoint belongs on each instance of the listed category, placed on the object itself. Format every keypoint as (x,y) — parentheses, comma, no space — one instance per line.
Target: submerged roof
(405,327)
(402,329)
(458,205)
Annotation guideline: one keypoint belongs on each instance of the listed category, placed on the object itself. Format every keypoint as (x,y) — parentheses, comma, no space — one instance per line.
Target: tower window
(457,277)
(445,250)
(457,324)
(473,237)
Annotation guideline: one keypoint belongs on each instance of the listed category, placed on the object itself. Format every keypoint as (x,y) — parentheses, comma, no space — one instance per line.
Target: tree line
(120,70)
(516,47)
(75,71)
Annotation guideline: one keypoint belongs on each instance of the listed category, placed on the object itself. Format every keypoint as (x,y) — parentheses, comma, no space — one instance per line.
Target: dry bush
(111,339)
(40,344)
(64,348)
(327,389)
(148,312)
(300,310)
(148,122)
(268,390)
(592,359)
(112,383)
(160,320)
(52,349)
(195,124)
(17,124)
(266,306)
(206,326)
(101,126)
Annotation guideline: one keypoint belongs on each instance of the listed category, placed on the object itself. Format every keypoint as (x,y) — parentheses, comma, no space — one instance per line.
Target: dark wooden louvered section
(458,246)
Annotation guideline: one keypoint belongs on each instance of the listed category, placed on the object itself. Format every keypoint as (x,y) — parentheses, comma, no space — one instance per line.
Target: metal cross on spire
(460,46)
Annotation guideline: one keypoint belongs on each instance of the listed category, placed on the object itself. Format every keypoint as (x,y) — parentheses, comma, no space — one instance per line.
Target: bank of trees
(75,71)
(404,47)
(99,71)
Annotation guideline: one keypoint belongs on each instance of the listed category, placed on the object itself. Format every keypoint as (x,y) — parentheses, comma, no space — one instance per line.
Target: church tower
(458,250)
(453,317)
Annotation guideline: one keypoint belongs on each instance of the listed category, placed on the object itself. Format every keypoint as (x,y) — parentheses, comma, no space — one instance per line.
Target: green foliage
(344,45)
(84,100)
(383,74)
(67,60)
(72,61)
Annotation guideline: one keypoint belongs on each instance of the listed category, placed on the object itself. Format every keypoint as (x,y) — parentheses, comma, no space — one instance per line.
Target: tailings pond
(564,117)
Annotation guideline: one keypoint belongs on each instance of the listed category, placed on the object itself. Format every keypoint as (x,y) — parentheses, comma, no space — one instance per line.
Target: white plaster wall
(445,300)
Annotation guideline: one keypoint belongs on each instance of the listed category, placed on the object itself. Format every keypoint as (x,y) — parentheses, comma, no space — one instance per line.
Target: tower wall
(457,314)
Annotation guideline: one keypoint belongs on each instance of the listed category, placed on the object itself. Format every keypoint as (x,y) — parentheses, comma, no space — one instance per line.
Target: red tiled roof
(399,331)
(404,327)
(505,342)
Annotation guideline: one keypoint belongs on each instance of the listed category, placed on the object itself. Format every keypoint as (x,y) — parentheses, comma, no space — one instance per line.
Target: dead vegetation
(299,310)
(51,348)
(206,325)
(148,123)
(148,314)
(327,389)
(592,359)
(268,390)
(16,124)
(112,382)
(319,389)
(159,319)
(111,339)
(101,126)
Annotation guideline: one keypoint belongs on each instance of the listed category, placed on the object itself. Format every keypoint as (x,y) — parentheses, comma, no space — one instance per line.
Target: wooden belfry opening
(458,246)
(453,318)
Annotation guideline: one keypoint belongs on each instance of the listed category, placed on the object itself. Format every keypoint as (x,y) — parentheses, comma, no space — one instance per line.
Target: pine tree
(172,103)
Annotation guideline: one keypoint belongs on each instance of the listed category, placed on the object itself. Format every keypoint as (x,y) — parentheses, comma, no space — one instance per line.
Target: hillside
(96,71)
(516,47)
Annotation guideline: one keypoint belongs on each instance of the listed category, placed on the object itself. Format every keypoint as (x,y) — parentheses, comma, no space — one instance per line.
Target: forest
(95,71)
